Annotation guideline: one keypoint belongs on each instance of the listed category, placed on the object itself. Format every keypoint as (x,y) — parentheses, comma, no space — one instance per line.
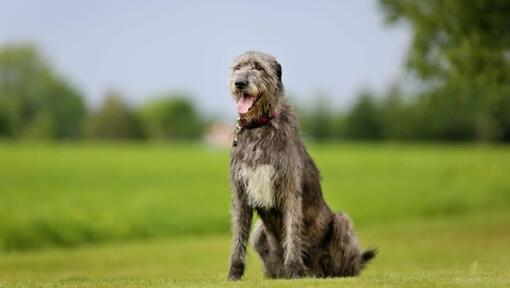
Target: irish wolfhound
(271,173)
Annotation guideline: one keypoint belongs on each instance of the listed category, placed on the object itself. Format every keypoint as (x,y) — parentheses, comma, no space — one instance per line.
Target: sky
(146,48)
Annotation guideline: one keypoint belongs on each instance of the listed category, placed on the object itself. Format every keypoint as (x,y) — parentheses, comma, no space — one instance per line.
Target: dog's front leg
(241,222)
(293,217)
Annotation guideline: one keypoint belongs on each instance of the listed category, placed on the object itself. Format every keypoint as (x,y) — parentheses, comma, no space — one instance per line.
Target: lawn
(466,251)
(135,215)
(70,194)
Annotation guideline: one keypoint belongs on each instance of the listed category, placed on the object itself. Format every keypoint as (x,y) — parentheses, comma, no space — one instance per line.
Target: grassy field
(65,195)
(131,215)
(467,251)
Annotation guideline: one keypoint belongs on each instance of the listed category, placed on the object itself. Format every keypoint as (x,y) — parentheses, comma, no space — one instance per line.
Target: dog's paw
(234,277)
(236,272)
(295,270)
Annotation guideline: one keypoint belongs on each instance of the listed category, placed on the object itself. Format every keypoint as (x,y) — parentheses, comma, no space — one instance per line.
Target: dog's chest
(258,183)
(252,157)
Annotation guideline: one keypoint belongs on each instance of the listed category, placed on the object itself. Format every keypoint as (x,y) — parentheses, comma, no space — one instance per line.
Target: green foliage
(70,194)
(460,53)
(34,101)
(172,117)
(460,49)
(399,116)
(468,40)
(320,122)
(431,116)
(363,120)
(6,119)
(37,103)
(114,119)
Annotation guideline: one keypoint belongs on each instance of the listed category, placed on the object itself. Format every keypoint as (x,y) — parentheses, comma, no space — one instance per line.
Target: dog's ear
(278,70)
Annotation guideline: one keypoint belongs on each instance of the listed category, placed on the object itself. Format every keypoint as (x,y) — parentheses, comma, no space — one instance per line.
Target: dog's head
(256,83)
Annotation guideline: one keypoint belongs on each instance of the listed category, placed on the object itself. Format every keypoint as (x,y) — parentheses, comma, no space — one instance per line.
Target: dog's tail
(344,224)
(368,255)
(350,259)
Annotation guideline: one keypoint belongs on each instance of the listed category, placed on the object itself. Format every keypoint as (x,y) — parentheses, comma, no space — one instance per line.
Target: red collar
(263,120)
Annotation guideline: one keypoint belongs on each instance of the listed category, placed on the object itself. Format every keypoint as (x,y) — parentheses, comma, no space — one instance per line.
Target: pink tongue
(244,104)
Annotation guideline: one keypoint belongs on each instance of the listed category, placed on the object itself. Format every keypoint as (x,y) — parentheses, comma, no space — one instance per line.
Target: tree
(113,120)
(319,121)
(6,119)
(34,101)
(363,120)
(399,118)
(171,117)
(462,48)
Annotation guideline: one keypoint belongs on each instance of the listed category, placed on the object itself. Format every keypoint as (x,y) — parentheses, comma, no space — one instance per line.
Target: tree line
(36,102)
(394,115)
(458,62)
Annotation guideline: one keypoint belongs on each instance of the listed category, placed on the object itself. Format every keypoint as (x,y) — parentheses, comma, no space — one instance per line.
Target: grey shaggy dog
(271,173)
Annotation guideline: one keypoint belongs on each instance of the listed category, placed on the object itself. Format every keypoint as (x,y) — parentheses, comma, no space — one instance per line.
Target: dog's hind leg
(269,250)
(346,259)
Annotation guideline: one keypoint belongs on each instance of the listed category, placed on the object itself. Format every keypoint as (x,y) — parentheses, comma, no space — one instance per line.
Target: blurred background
(116,119)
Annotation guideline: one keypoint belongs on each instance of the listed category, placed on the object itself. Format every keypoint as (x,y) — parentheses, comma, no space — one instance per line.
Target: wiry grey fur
(272,174)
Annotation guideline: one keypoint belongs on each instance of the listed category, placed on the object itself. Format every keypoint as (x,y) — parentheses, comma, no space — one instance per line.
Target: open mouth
(244,104)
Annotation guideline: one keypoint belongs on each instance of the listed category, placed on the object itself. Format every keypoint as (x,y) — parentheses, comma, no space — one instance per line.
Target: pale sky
(143,48)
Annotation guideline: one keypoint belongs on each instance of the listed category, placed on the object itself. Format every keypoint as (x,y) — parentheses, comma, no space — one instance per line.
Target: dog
(271,173)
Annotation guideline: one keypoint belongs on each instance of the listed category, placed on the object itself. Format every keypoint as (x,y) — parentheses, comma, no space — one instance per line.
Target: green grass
(140,215)
(71,194)
(460,251)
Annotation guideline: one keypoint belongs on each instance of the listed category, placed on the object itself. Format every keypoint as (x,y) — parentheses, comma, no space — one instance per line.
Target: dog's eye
(237,68)
(257,66)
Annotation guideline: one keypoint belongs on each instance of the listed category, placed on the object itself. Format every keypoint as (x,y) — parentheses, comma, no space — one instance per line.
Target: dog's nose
(240,84)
